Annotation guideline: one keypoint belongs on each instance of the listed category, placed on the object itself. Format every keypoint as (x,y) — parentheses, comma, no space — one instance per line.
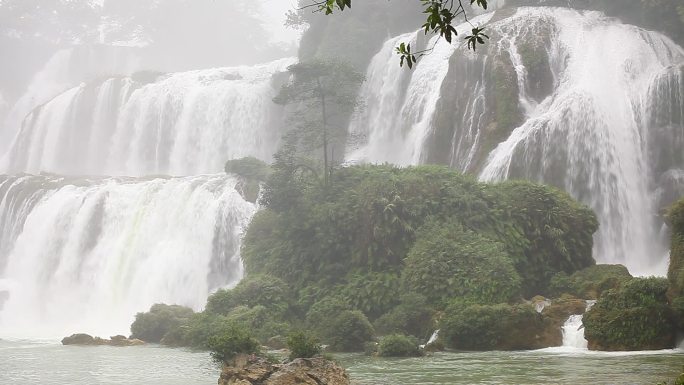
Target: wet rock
(88,340)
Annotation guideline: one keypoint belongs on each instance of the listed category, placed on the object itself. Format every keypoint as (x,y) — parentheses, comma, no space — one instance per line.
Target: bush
(249,168)
(349,331)
(259,290)
(633,317)
(262,322)
(449,261)
(412,316)
(399,345)
(322,313)
(591,282)
(678,308)
(490,327)
(153,325)
(232,339)
(303,345)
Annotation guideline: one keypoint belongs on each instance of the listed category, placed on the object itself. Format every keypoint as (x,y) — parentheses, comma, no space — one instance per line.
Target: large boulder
(88,340)
(249,370)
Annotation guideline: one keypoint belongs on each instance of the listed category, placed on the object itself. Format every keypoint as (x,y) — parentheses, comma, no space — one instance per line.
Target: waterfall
(573,330)
(545,100)
(87,254)
(573,333)
(180,124)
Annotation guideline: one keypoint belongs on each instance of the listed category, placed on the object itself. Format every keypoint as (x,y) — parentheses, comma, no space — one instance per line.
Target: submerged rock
(246,370)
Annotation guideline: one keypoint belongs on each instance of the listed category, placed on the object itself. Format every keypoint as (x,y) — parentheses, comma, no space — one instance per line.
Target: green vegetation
(445,258)
(249,168)
(634,317)
(490,327)
(232,339)
(319,91)
(591,282)
(349,332)
(399,345)
(675,274)
(412,316)
(155,324)
(303,345)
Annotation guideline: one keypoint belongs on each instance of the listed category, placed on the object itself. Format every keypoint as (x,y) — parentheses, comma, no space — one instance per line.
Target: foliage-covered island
(401,252)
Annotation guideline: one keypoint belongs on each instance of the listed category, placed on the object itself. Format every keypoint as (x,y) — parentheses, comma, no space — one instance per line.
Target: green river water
(28,363)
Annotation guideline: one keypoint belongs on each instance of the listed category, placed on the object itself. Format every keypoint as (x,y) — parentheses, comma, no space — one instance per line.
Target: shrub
(490,327)
(372,293)
(153,325)
(262,322)
(322,313)
(678,308)
(633,317)
(249,168)
(232,339)
(349,331)
(449,261)
(399,345)
(303,345)
(589,283)
(259,290)
(412,316)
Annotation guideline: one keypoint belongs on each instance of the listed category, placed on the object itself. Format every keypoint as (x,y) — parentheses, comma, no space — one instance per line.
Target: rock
(249,370)
(79,339)
(88,340)
(555,315)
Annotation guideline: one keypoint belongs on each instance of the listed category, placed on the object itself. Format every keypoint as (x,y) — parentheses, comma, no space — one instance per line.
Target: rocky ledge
(250,370)
(88,340)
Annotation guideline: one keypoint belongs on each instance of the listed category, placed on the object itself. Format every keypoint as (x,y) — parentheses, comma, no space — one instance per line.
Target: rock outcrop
(246,370)
(88,340)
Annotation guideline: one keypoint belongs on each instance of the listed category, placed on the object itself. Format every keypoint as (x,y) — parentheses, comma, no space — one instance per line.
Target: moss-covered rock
(413,316)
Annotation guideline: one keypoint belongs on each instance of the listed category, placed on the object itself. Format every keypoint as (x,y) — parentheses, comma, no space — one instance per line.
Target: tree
(319,91)
(441,15)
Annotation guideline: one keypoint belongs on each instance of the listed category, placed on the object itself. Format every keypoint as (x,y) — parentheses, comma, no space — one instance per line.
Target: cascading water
(87,254)
(181,124)
(573,330)
(553,99)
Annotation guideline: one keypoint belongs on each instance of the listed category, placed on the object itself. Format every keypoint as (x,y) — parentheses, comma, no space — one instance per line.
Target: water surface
(35,363)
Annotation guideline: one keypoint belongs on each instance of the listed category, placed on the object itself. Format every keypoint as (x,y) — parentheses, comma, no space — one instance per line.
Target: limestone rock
(246,370)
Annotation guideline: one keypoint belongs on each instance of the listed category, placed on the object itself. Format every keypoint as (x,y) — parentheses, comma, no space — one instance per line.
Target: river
(31,362)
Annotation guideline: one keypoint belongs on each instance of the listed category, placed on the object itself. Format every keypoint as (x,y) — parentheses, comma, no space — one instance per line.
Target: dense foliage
(591,282)
(634,317)
(303,345)
(412,316)
(349,331)
(490,327)
(152,326)
(449,261)
(231,340)
(399,345)
(675,218)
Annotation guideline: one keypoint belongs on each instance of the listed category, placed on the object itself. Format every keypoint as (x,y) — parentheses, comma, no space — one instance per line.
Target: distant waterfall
(568,98)
(180,124)
(84,255)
